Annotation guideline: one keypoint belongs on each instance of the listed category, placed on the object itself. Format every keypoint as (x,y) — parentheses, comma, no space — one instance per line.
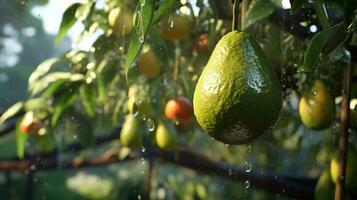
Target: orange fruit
(201,43)
(179,108)
(30,124)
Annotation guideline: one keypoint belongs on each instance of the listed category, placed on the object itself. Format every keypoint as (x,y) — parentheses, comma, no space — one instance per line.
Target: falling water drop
(247,167)
(141,38)
(314,93)
(247,184)
(135,111)
(170,21)
(150,125)
(143,149)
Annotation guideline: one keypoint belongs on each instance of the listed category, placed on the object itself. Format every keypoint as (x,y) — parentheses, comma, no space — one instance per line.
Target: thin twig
(235,15)
(343,141)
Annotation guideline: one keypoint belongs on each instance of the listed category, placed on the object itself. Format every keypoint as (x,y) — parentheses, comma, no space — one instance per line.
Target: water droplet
(226,145)
(150,125)
(301,69)
(249,148)
(135,111)
(314,93)
(121,49)
(142,172)
(170,21)
(141,39)
(247,166)
(247,184)
(230,172)
(139,197)
(143,149)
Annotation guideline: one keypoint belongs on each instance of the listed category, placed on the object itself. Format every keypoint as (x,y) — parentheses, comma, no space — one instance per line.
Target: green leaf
(350,8)
(338,37)
(45,81)
(53,88)
(13,110)
(64,102)
(258,10)
(296,4)
(165,8)
(117,113)
(68,20)
(138,37)
(88,98)
(41,70)
(36,103)
(106,72)
(321,44)
(21,139)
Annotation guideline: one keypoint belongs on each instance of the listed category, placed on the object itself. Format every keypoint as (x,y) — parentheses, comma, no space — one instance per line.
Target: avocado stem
(235,15)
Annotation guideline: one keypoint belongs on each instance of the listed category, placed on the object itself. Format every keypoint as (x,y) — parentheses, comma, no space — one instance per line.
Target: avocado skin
(238,96)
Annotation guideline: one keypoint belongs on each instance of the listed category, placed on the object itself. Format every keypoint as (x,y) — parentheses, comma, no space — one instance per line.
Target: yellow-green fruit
(121,19)
(131,132)
(238,96)
(324,189)
(175,27)
(351,169)
(316,107)
(149,64)
(166,136)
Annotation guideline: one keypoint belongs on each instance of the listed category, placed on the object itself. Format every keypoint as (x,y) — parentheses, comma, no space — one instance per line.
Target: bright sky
(51,15)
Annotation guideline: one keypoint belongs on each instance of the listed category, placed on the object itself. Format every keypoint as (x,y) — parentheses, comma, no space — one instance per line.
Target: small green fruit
(121,19)
(131,132)
(166,136)
(325,188)
(238,96)
(316,107)
(351,169)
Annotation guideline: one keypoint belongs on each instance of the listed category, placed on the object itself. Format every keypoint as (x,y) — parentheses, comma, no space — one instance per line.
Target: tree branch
(183,157)
(343,141)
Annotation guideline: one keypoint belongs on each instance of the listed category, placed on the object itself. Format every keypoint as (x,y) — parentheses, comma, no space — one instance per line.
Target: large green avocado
(238,96)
